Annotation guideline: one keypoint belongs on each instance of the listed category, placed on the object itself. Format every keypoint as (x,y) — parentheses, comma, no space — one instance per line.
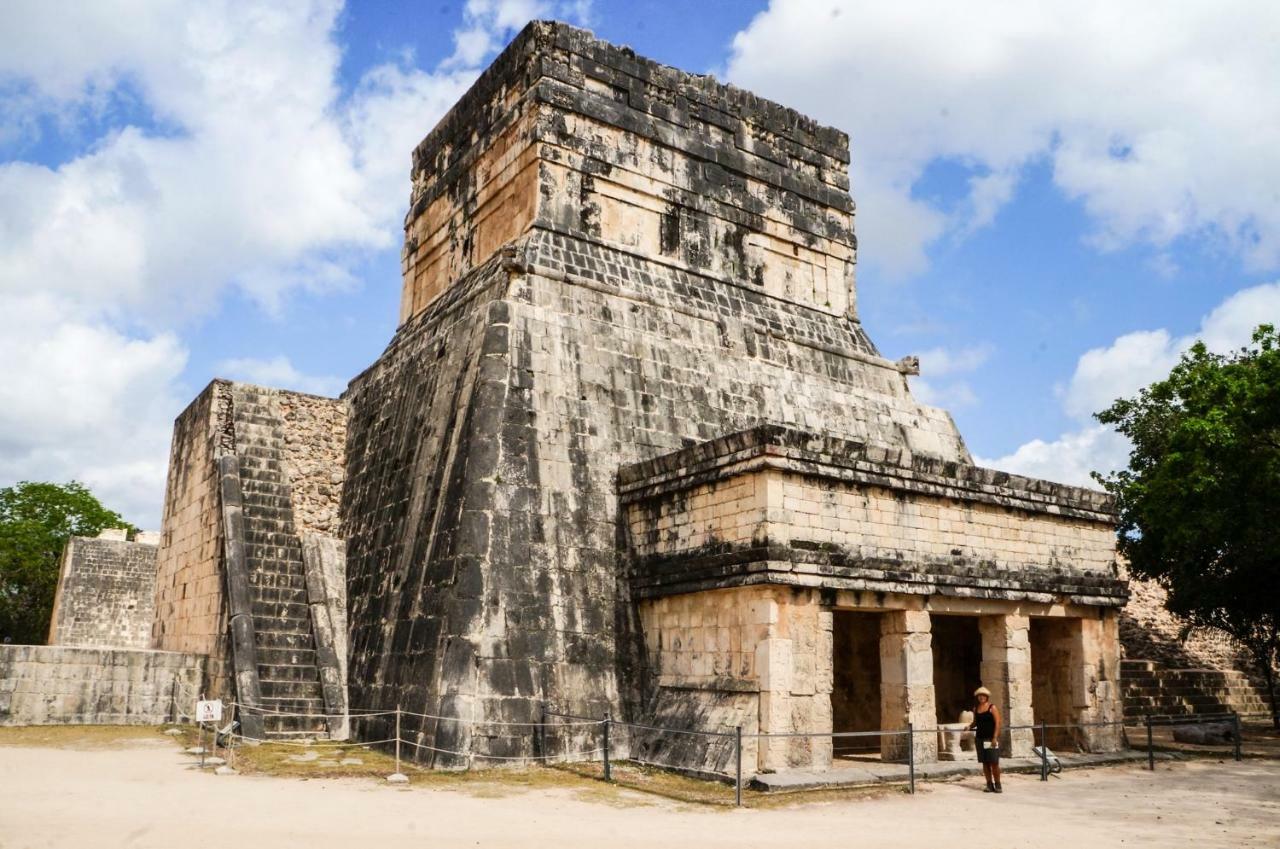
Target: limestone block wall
(779,505)
(190,607)
(770,644)
(105,595)
(879,523)
(567,133)
(730,512)
(53,685)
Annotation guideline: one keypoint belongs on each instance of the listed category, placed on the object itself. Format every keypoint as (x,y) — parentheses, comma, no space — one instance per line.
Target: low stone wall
(55,685)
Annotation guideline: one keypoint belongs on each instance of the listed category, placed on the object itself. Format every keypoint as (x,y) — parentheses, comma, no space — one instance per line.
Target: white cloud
(80,400)
(947,363)
(239,163)
(1119,370)
(1068,459)
(278,372)
(1161,119)
(490,22)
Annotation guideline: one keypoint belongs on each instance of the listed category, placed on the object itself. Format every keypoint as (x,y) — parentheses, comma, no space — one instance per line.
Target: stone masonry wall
(54,685)
(772,644)
(315,435)
(482,450)
(106,594)
(567,133)
(1148,631)
(190,611)
(785,506)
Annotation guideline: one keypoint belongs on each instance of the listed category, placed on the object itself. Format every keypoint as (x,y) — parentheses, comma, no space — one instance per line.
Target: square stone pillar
(1006,672)
(1095,682)
(794,673)
(906,684)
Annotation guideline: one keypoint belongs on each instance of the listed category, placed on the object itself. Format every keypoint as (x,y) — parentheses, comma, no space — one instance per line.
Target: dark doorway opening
(1052,643)
(855,693)
(957,664)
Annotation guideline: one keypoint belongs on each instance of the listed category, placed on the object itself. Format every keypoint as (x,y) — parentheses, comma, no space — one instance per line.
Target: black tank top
(986,724)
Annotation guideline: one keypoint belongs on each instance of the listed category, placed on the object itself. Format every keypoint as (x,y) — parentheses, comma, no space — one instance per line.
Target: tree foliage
(36,520)
(1199,503)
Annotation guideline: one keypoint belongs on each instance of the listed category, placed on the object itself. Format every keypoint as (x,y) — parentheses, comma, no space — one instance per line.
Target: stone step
(283,728)
(282,625)
(283,639)
(275,580)
(300,705)
(285,657)
(257,501)
(266,594)
(272,539)
(275,559)
(255,416)
(290,670)
(291,690)
(279,611)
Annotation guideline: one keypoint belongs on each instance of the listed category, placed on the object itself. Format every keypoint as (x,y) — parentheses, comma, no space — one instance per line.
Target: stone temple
(630,451)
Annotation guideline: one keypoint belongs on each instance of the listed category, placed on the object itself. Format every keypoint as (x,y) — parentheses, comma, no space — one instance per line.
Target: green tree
(36,520)
(1200,501)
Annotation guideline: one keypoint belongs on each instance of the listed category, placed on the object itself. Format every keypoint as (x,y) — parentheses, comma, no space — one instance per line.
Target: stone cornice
(780,448)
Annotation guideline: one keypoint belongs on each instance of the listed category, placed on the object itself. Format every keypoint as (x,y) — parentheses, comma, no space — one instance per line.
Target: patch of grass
(80,736)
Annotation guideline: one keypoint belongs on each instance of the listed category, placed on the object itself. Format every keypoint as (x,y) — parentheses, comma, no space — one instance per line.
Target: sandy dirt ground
(146,794)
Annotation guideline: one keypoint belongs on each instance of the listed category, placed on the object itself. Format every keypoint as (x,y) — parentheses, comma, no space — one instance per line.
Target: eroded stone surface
(106,593)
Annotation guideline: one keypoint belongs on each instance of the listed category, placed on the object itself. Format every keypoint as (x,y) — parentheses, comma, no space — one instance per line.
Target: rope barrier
(318,744)
(501,723)
(502,757)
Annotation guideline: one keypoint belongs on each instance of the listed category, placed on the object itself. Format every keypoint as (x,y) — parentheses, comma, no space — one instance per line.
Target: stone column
(1095,685)
(906,684)
(1006,672)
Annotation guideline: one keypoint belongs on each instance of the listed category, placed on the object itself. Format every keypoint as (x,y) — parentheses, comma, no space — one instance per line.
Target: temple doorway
(855,693)
(957,664)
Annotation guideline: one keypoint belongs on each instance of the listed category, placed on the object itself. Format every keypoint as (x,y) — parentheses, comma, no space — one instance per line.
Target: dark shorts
(985,755)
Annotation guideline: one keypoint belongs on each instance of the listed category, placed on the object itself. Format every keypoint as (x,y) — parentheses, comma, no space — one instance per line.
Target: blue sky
(1052,201)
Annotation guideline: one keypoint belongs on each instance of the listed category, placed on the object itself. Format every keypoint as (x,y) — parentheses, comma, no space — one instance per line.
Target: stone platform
(864,773)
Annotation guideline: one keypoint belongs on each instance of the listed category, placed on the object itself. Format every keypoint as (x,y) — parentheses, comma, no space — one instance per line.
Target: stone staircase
(288,676)
(1149,688)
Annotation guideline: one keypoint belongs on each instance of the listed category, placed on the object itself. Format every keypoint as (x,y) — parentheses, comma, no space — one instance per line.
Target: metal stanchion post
(397,777)
(1151,751)
(738,756)
(911,758)
(1044,752)
(608,773)
(542,731)
(1235,723)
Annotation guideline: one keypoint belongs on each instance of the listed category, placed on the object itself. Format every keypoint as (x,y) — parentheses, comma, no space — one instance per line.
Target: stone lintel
(657,577)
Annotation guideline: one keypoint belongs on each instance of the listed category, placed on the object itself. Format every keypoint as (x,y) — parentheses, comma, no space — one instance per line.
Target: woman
(986,724)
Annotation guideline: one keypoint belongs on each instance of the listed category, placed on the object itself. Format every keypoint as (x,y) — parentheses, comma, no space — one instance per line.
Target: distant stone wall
(106,594)
(1148,631)
(55,685)
(190,612)
(315,435)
